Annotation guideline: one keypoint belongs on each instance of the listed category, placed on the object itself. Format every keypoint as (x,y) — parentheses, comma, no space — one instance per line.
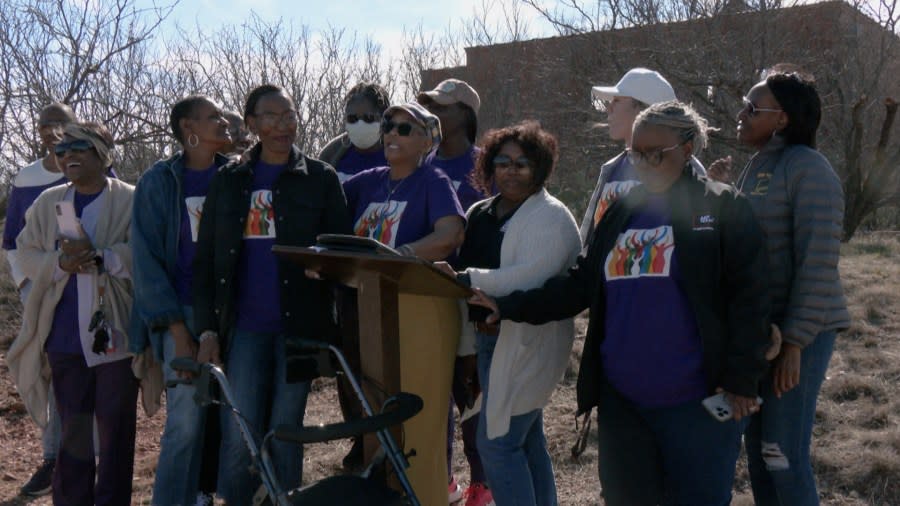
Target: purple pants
(109,392)
(469,430)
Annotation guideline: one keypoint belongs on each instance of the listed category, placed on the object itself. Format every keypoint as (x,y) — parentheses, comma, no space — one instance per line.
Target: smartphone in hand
(69,224)
(718,406)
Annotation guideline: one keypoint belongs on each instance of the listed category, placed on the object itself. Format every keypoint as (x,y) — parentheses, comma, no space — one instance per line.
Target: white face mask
(363,135)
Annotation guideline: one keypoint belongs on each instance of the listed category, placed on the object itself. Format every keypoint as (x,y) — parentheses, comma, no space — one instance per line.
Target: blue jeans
(779,436)
(677,455)
(181,445)
(256,369)
(518,467)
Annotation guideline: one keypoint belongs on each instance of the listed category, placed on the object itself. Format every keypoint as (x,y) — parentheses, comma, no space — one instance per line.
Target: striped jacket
(799,202)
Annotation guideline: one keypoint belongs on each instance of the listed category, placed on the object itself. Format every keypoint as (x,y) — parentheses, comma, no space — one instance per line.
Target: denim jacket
(155,229)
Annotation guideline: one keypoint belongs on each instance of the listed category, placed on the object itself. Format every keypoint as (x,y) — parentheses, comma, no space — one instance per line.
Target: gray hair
(680,118)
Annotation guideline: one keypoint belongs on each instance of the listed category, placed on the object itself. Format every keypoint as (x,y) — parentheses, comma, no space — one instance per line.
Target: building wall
(710,62)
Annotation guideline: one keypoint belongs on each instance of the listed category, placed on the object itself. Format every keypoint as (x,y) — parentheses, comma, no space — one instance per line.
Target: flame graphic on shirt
(261,216)
(380,221)
(610,193)
(644,252)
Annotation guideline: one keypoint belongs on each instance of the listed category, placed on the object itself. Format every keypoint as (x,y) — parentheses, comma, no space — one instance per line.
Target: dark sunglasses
(503,162)
(753,110)
(403,129)
(366,118)
(77,146)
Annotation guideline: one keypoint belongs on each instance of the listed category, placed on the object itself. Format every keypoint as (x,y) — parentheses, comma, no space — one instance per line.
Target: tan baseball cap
(451,91)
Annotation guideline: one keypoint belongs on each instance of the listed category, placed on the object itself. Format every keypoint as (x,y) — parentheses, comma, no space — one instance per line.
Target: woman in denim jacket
(167,206)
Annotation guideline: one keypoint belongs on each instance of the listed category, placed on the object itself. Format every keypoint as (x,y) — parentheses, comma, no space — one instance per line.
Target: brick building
(711,62)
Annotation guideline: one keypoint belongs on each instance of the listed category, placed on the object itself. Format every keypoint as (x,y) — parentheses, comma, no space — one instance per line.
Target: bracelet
(207,334)
(406,250)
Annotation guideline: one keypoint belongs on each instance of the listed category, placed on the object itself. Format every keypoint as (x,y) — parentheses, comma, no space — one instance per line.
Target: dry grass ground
(857,439)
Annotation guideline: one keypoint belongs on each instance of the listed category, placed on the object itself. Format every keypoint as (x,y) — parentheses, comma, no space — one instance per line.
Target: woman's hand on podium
(445,268)
(483,300)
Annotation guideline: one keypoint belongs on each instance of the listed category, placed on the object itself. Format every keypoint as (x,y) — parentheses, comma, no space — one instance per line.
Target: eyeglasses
(403,129)
(271,119)
(505,163)
(652,157)
(366,118)
(76,146)
(752,110)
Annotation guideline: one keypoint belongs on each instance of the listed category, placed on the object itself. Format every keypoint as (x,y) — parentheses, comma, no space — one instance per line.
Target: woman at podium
(516,241)
(247,300)
(408,205)
(675,277)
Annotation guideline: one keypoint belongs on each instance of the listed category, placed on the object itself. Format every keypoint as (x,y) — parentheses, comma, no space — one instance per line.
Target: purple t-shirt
(355,161)
(620,181)
(32,180)
(652,352)
(399,212)
(65,334)
(195,186)
(258,296)
(458,170)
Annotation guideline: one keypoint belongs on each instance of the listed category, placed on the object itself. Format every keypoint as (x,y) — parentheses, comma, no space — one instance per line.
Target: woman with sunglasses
(359,147)
(408,204)
(674,276)
(799,202)
(250,304)
(516,241)
(74,248)
(168,203)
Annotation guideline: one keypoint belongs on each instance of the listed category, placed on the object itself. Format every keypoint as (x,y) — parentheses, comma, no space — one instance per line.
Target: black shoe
(41,481)
(353,461)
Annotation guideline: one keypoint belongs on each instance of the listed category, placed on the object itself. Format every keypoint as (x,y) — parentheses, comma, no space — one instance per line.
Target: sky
(383,20)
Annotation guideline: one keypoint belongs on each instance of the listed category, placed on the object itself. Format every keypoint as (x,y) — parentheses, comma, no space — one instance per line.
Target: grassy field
(856,448)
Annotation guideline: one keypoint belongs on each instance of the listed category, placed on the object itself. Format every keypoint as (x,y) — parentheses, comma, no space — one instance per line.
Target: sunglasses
(503,162)
(365,118)
(100,328)
(403,129)
(752,110)
(76,146)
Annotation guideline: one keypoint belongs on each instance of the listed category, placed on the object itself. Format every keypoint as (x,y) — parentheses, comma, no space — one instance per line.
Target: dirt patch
(856,447)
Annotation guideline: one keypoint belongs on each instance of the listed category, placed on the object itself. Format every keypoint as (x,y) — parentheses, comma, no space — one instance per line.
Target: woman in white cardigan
(516,241)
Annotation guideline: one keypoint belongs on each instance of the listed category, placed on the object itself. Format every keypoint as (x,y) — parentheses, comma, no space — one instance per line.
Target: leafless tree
(87,55)
(713,51)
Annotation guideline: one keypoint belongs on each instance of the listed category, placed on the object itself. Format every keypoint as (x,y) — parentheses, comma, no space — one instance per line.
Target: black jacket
(308,200)
(721,254)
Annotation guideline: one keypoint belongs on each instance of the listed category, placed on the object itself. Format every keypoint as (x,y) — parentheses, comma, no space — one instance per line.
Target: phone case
(718,407)
(69,224)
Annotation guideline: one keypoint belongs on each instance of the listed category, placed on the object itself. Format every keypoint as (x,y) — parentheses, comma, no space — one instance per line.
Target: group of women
(683,276)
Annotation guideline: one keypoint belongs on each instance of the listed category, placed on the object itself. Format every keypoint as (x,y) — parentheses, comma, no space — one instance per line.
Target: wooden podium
(409,327)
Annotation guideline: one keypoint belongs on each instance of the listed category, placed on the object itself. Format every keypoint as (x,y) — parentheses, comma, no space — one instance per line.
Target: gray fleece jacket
(799,202)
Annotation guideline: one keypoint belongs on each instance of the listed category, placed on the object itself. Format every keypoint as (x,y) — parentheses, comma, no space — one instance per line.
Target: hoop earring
(193,141)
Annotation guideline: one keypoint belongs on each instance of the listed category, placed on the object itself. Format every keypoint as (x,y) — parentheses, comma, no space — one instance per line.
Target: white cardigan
(541,241)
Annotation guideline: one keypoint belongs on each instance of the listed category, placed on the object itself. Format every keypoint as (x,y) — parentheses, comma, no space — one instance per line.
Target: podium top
(412,275)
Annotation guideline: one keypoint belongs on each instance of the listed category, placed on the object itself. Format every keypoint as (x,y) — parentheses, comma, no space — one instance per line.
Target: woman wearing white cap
(638,89)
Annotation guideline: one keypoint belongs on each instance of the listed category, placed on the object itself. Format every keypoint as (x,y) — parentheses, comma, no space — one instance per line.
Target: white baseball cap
(646,85)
